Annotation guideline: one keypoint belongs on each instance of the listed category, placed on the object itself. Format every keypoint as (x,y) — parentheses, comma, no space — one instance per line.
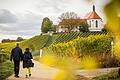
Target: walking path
(42,72)
(39,72)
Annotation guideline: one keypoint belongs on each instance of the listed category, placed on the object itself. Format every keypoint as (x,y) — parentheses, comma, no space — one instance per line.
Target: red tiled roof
(92,15)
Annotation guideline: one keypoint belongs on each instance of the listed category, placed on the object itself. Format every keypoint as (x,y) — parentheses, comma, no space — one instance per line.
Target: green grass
(51,40)
(6,69)
(36,42)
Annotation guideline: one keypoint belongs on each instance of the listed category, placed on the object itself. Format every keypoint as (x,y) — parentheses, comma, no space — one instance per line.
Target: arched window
(90,23)
(96,23)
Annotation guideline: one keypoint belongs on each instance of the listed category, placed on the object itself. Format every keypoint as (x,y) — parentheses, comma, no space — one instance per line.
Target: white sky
(23,17)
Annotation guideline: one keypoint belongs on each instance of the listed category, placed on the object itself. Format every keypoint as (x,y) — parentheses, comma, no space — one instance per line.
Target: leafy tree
(72,23)
(104,30)
(46,25)
(70,20)
(53,28)
(84,27)
(19,39)
(5,40)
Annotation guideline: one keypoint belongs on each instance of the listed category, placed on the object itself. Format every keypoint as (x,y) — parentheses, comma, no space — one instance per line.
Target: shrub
(6,69)
(3,57)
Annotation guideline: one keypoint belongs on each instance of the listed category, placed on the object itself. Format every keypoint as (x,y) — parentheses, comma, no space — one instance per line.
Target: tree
(53,28)
(5,40)
(70,23)
(69,15)
(84,27)
(105,29)
(70,20)
(19,39)
(46,25)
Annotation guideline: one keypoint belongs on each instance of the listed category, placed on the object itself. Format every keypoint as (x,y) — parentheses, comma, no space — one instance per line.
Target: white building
(92,19)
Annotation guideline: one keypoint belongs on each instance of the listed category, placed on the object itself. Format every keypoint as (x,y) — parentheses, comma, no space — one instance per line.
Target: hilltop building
(92,19)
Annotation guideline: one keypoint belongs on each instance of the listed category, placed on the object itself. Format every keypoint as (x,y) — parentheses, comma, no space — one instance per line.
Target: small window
(90,23)
(96,23)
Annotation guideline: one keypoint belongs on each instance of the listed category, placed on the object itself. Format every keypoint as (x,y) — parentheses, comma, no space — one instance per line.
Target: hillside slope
(41,41)
(35,43)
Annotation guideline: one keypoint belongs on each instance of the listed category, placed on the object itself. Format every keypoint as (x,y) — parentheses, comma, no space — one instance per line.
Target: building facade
(92,19)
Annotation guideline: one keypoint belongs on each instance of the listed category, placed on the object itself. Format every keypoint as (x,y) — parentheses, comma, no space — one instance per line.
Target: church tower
(94,20)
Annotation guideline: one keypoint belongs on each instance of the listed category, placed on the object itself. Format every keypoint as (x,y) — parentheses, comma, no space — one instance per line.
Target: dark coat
(16,54)
(26,56)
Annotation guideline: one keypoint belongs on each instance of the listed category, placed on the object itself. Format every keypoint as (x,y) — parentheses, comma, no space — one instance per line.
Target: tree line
(9,40)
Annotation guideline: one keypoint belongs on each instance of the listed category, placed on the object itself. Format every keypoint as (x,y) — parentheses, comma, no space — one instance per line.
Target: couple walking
(17,56)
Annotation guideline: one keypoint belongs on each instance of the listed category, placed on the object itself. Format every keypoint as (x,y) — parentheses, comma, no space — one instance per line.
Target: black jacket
(26,56)
(16,54)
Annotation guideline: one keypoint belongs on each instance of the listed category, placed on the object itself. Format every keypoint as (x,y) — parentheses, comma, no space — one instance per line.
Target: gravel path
(39,72)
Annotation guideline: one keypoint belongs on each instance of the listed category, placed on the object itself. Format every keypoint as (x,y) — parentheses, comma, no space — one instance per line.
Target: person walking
(16,56)
(27,62)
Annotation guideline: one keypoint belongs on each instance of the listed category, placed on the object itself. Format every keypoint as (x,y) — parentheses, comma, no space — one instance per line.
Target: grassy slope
(35,43)
(51,40)
(7,46)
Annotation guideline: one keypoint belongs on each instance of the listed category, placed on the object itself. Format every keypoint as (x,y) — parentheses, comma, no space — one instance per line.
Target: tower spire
(93,7)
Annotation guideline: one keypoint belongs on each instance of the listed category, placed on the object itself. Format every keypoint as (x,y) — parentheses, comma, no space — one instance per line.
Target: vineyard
(65,37)
(41,41)
(97,46)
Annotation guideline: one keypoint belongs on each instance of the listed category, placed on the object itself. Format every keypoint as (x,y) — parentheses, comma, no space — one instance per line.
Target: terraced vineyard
(65,37)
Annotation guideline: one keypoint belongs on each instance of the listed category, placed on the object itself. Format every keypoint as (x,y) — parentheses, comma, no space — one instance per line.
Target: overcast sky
(23,17)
